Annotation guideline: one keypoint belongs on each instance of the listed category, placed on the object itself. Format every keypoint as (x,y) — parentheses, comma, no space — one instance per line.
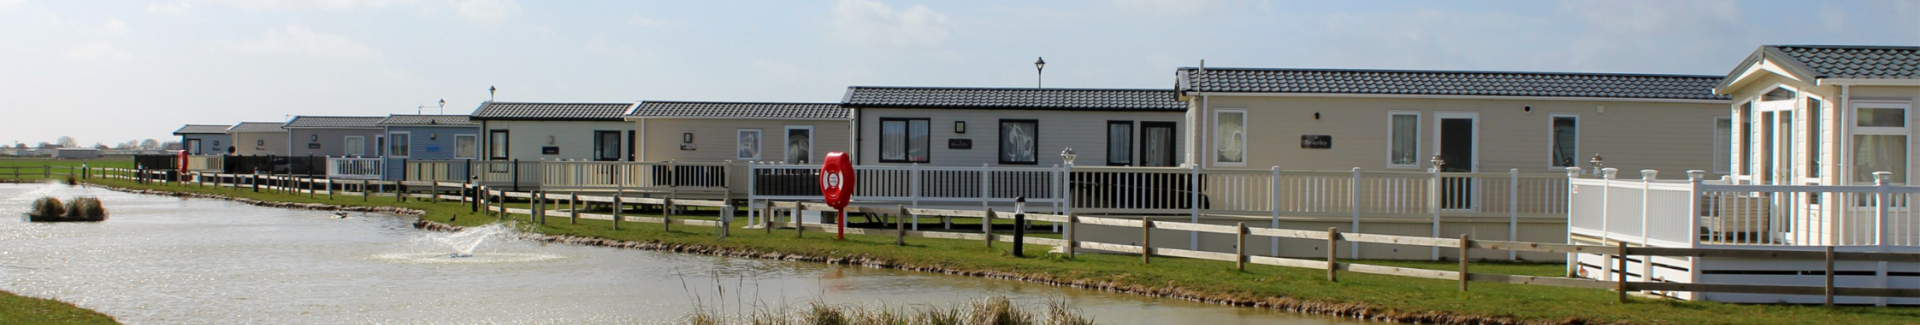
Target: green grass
(1209,278)
(30,167)
(16,309)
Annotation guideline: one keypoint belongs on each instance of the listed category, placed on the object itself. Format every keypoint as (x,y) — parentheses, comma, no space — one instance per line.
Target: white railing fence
(353,168)
(1701,213)
(637,176)
(455,170)
(206,163)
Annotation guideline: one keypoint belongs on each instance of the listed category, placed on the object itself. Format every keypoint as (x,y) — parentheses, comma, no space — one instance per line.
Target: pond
(165,260)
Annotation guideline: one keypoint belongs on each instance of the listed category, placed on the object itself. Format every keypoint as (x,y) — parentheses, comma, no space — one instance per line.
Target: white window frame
(470,155)
(788,132)
(1813,139)
(1417,125)
(1552,142)
(1732,147)
(392,144)
(759,144)
(347,148)
(1905,130)
(1245,135)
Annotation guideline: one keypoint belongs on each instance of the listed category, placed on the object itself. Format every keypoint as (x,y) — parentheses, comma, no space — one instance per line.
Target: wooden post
(666,215)
(1829,290)
(329,189)
(1621,284)
(1333,254)
(540,206)
(986,226)
(899,227)
(433,191)
(1146,240)
(799,226)
(573,208)
(1464,240)
(1240,246)
(364,193)
(616,212)
(503,204)
(1071,243)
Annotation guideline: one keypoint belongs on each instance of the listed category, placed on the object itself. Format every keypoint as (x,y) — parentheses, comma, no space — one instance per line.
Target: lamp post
(1068,156)
(1039,71)
(1597,163)
(1437,162)
(1019,226)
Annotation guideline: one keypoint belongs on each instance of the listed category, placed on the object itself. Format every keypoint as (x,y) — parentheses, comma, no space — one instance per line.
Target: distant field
(29,168)
(116,162)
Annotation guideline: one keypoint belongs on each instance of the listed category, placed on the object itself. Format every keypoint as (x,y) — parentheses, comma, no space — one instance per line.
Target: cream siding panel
(259,143)
(333,142)
(1671,137)
(1085,132)
(575,138)
(715,140)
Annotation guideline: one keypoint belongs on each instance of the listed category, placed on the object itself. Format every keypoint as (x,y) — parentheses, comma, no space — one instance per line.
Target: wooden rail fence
(544,204)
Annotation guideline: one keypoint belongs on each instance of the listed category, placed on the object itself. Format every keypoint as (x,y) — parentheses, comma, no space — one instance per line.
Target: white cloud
(309,4)
(9,4)
(296,39)
(1166,7)
(170,9)
(651,23)
(869,22)
(487,10)
(97,50)
(115,26)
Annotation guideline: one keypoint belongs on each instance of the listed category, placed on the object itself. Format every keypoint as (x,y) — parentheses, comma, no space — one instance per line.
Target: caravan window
(1119,143)
(904,140)
(1566,141)
(1404,148)
(1019,142)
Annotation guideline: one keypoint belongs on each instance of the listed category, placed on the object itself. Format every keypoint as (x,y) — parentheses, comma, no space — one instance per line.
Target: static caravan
(1822,161)
(1024,127)
(335,136)
(429,147)
(791,133)
(259,139)
(1423,153)
(555,131)
(1537,122)
(206,139)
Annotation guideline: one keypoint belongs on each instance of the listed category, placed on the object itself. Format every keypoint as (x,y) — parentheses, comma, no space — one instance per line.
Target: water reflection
(164,260)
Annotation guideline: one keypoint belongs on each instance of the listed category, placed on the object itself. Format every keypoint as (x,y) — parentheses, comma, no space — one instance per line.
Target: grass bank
(1356,295)
(16,309)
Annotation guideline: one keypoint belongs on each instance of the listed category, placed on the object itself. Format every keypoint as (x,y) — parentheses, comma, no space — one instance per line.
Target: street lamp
(1039,71)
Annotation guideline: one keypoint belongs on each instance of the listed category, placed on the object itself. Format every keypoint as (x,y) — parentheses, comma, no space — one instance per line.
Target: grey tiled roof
(798,111)
(1014,98)
(202,129)
(429,120)
(551,111)
(1854,62)
(335,122)
(258,127)
(1449,83)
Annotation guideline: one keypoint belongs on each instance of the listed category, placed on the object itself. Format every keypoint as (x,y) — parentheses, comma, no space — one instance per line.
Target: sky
(112,71)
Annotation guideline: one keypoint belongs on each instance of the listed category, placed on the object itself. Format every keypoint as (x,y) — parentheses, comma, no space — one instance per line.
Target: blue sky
(110,71)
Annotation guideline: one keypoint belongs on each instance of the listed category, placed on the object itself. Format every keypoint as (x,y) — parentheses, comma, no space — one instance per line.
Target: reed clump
(85,208)
(988,311)
(48,206)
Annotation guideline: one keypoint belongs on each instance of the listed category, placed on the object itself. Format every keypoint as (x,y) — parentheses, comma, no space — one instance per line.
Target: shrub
(85,208)
(48,207)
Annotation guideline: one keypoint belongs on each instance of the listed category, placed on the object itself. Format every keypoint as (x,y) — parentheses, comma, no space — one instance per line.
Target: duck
(340,215)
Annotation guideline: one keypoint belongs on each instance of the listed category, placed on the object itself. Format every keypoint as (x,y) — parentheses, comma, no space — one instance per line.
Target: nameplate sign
(960,144)
(1316,141)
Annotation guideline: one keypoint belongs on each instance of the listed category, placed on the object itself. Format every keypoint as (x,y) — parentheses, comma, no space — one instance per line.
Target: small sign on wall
(960,144)
(313,145)
(1316,141)
(549,150)
(687,147)
(433,148)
